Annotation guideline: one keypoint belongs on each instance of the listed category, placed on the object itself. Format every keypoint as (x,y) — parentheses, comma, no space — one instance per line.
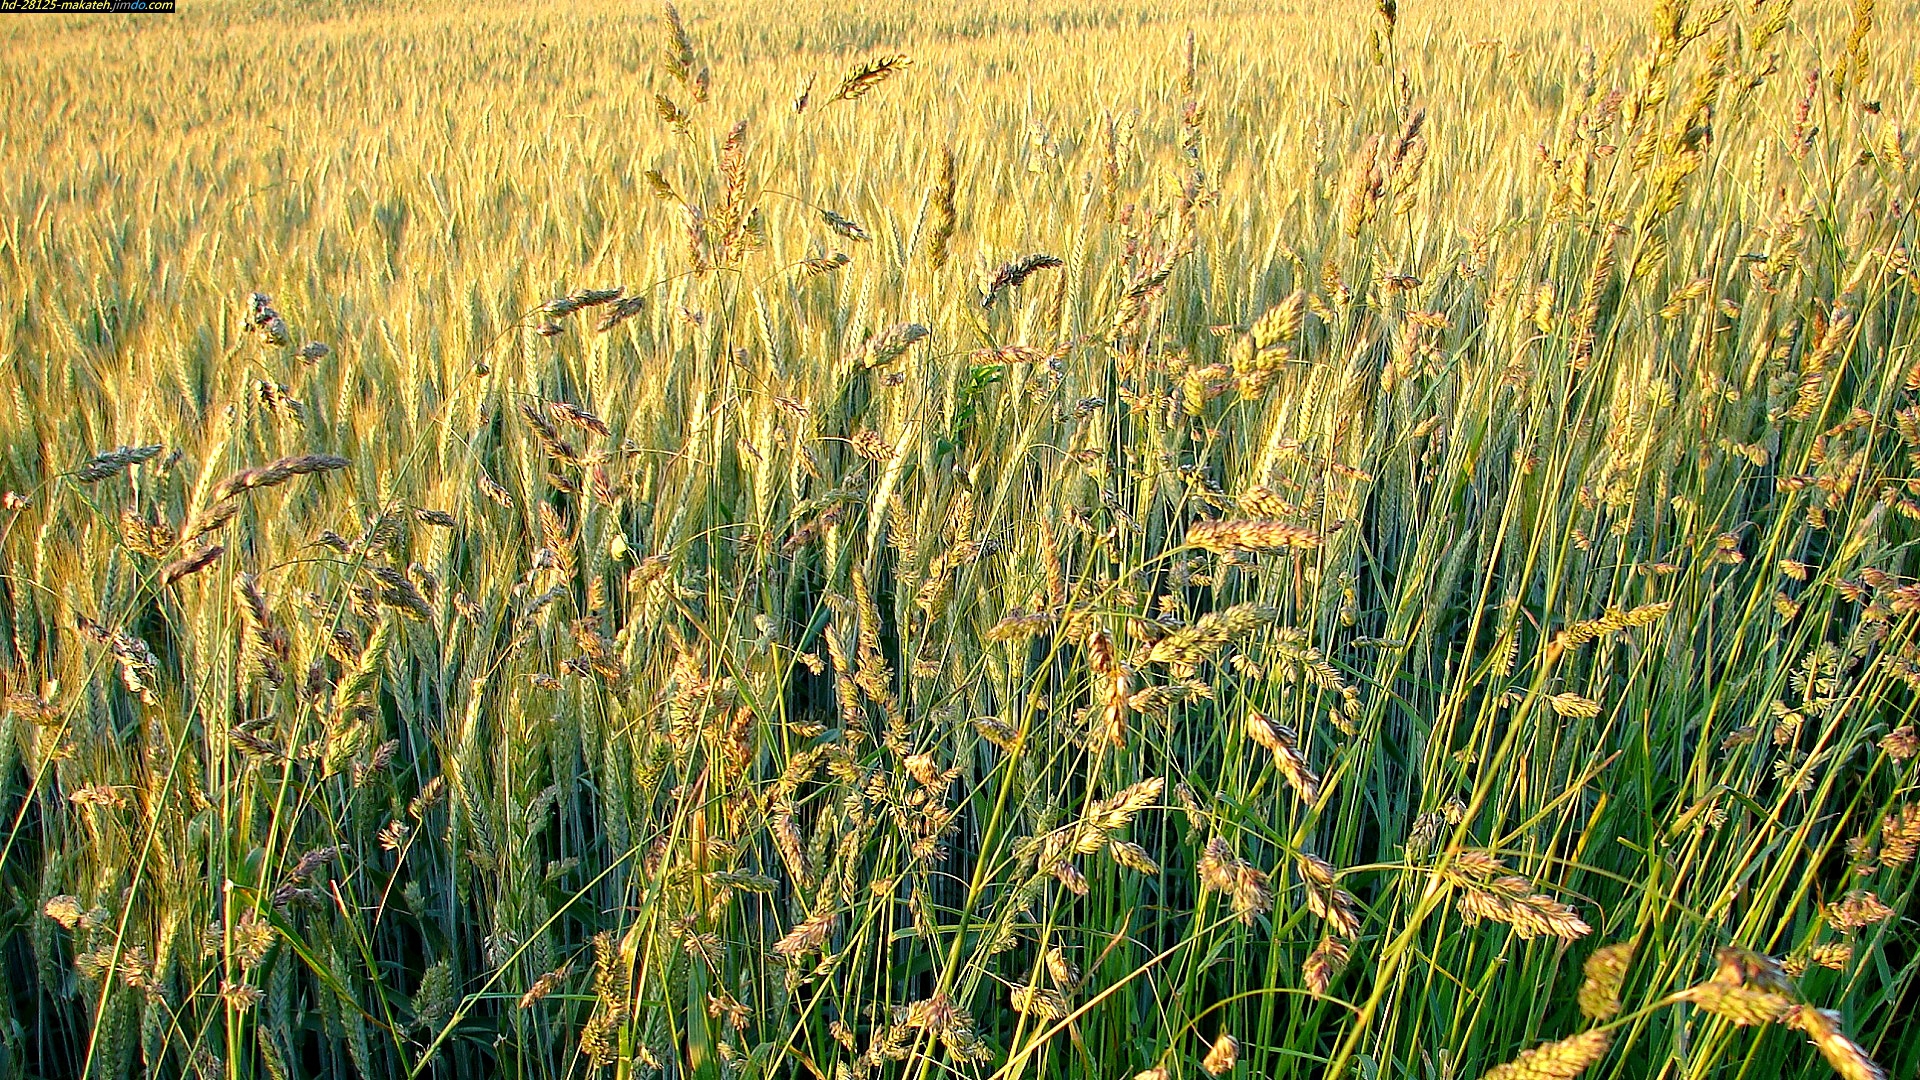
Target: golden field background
(848,685)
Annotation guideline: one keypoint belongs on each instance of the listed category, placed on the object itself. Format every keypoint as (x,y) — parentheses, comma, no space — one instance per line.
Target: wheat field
(1086,539)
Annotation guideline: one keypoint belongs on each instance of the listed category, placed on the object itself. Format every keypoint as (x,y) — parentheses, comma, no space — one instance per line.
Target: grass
(1132,540)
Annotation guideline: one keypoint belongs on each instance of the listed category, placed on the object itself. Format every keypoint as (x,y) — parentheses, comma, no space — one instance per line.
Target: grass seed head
(1252,535)
(1015,274)
(1222,1056)
(102,465)
(1556,1060)
(1606,973)
(867,75)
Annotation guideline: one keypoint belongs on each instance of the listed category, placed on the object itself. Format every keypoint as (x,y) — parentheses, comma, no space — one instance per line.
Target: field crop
(1095,539)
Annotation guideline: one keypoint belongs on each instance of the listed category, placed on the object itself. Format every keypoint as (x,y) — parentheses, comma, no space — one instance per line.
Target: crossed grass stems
(1114,743)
